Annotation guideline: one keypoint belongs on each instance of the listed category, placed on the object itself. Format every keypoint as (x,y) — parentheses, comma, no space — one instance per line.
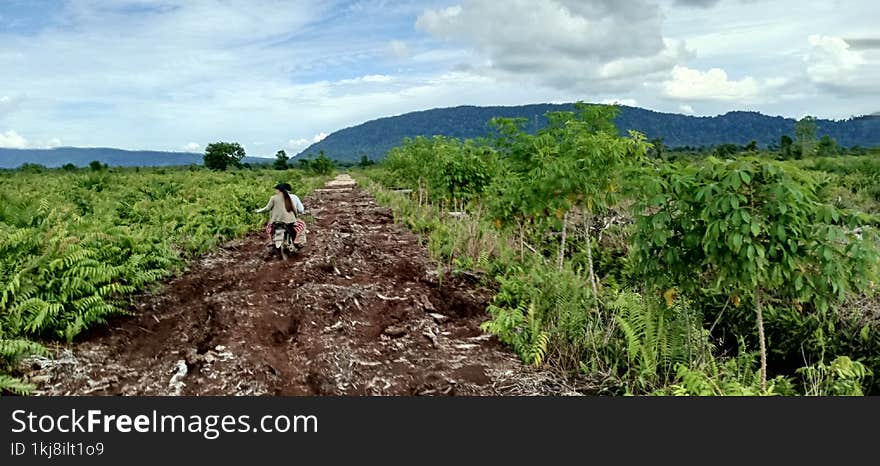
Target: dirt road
(359,311)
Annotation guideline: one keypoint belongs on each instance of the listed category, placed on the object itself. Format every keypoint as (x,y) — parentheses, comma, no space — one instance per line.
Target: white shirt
(297,204)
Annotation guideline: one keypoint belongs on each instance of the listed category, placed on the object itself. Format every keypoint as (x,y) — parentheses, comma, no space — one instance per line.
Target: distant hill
(374,138)
(81,156)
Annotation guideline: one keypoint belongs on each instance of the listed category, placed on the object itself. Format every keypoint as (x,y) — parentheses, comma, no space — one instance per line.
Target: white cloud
(368,79)
(834,64)
(301,143)
(690,84)
(627,102)
(566,44)
(192,147)
(686,109)
(12,140)
(297,144)
(136,80)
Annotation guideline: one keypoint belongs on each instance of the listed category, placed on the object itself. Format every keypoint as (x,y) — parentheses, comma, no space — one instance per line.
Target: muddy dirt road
(359,311)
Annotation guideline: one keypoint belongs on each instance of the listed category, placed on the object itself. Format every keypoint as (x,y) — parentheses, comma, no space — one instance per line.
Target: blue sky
(179,74)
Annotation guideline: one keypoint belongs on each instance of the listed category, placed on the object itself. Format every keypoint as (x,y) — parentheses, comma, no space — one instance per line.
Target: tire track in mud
(359,311)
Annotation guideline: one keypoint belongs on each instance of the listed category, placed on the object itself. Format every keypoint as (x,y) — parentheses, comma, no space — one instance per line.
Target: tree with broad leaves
(221,155)
(754,231)
(281,159)
(577,161)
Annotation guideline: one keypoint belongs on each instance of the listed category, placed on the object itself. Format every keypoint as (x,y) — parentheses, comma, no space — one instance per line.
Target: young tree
(97,166)
(828,146)
(577,161)
(221,155)
(365,162)
(751,147)
(322,165)
(281,159)
(754,231)
(657,148)
(785,147)
(805,136)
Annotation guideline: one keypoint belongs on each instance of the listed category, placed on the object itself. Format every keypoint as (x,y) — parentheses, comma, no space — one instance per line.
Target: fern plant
(74,245)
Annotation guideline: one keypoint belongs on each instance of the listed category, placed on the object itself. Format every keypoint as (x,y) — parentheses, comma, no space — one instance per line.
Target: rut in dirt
(360,311)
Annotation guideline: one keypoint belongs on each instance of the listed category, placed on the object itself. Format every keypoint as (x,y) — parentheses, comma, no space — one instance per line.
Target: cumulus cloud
(192,147)
(301,143)
(714,84)
(12,140)
(566,44)
(686,109)
(833,63)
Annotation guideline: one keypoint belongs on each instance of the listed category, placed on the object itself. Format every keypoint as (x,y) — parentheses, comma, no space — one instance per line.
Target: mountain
(374,138)
(81,156)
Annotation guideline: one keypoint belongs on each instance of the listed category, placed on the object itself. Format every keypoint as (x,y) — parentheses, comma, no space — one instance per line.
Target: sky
(281,74)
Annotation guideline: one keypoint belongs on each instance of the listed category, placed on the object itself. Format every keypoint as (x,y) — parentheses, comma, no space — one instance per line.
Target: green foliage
(786,148)
(842,377)
(577,160)
(750,224)
(522,329)
(281,159)
(657,339)
(805,136)
(725,377)
(748,229)
(707,235)
(321,165)
(827,147)
(443,169)
(724,151)
(752,146)
(221,155)
(73,246)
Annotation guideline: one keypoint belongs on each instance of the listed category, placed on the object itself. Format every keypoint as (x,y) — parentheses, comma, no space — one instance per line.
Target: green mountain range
(374,138)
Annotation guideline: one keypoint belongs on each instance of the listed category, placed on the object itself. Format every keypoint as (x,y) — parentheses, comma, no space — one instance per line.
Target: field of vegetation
(725,272)
(616,262)
(76,244)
